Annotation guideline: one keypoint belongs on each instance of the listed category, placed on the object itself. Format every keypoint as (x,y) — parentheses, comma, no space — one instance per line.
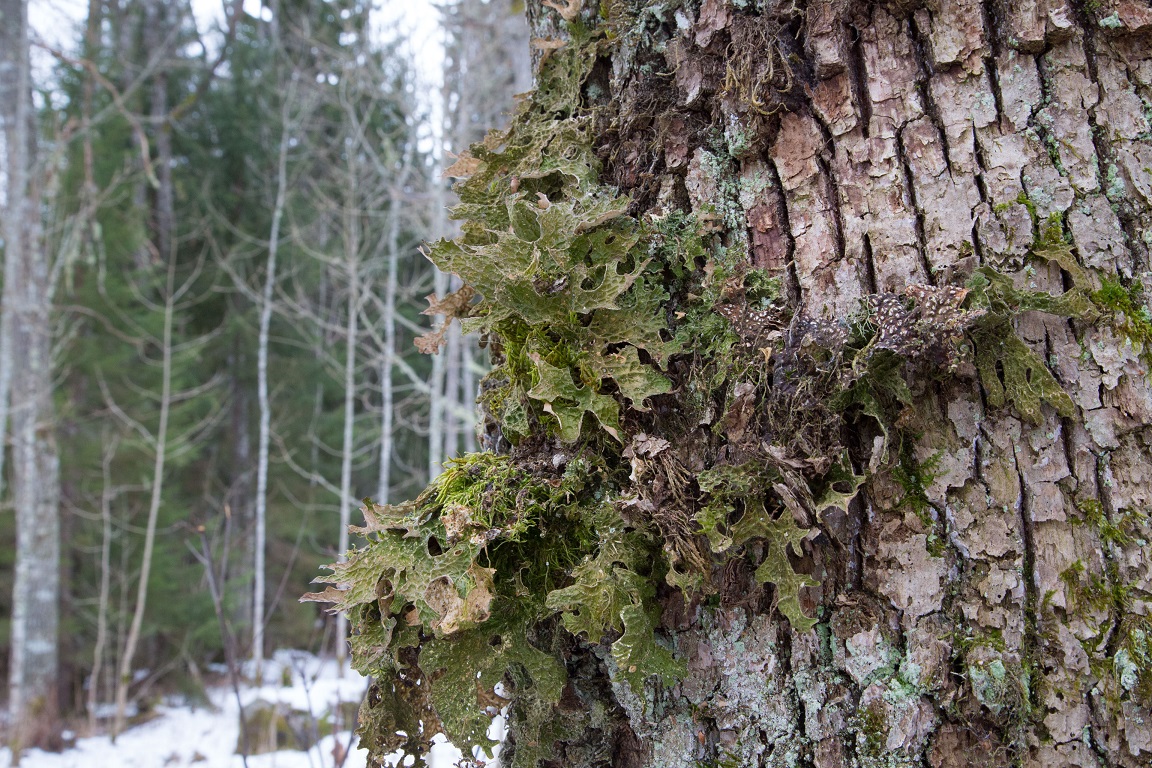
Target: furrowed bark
(918,140)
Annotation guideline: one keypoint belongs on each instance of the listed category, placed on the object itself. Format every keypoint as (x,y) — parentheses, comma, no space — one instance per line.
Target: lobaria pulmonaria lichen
(658,411)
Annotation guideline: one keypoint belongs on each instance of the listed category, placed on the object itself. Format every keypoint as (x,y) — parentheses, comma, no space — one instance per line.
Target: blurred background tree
(216,236)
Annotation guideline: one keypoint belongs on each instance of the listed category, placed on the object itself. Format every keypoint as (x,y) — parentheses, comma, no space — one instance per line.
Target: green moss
(1120,652)
(1124,530)
(964,639)
(872,730)
(1128,310)
(1026,201)
(914,477)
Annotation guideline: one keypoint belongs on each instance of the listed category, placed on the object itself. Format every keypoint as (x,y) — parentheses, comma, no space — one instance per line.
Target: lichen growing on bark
(572,301)
(674,433)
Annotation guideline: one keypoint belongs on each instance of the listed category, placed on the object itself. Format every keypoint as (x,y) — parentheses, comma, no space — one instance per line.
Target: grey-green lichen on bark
(842,348)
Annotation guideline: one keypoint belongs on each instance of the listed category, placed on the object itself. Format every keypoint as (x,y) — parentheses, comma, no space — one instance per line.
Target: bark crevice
(926,71)
(1106,159)
(1030,642)
(914,203)
(792,281)
(1111,567)
(869,265)
(831,186)
(858,71)
(992,24)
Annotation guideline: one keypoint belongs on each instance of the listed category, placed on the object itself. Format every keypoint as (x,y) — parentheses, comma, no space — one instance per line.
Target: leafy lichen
(603,324)
(556,261)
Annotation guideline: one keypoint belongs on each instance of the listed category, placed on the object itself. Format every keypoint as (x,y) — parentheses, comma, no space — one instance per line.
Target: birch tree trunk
(453,399)
(26,350)
(437,397)
(259,544)
(352,202)
(13,82)
(894,145)
(388,354)
(347,501)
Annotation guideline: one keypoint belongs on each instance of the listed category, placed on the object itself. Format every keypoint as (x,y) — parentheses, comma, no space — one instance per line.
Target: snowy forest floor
(207,735)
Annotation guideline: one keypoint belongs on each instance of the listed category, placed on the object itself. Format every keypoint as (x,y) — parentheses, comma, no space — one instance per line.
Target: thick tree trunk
(27,354)
(982,599)
(908,142)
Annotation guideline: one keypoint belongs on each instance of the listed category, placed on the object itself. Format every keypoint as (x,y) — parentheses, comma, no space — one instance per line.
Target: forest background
(212,286)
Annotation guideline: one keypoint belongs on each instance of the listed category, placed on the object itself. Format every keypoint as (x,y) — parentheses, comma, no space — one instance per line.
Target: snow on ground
(187,735)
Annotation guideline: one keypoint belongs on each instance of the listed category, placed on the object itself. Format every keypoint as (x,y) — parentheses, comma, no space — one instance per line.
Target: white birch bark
(13,82)
(436,387)
(468,368)
(351,237)
(25,367)
(436,380)
(346,501)
(454,359)
(388,353)
(259,544)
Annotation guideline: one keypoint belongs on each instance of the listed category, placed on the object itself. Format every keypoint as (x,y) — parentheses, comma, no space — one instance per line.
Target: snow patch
(184,734)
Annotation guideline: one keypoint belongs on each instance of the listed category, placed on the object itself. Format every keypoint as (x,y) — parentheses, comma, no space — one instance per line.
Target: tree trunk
(895,481)
(164,251)
(27,357)
(396,209)
(107,496)
(352,244)
(159,443)
(437,397)
(260,544)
